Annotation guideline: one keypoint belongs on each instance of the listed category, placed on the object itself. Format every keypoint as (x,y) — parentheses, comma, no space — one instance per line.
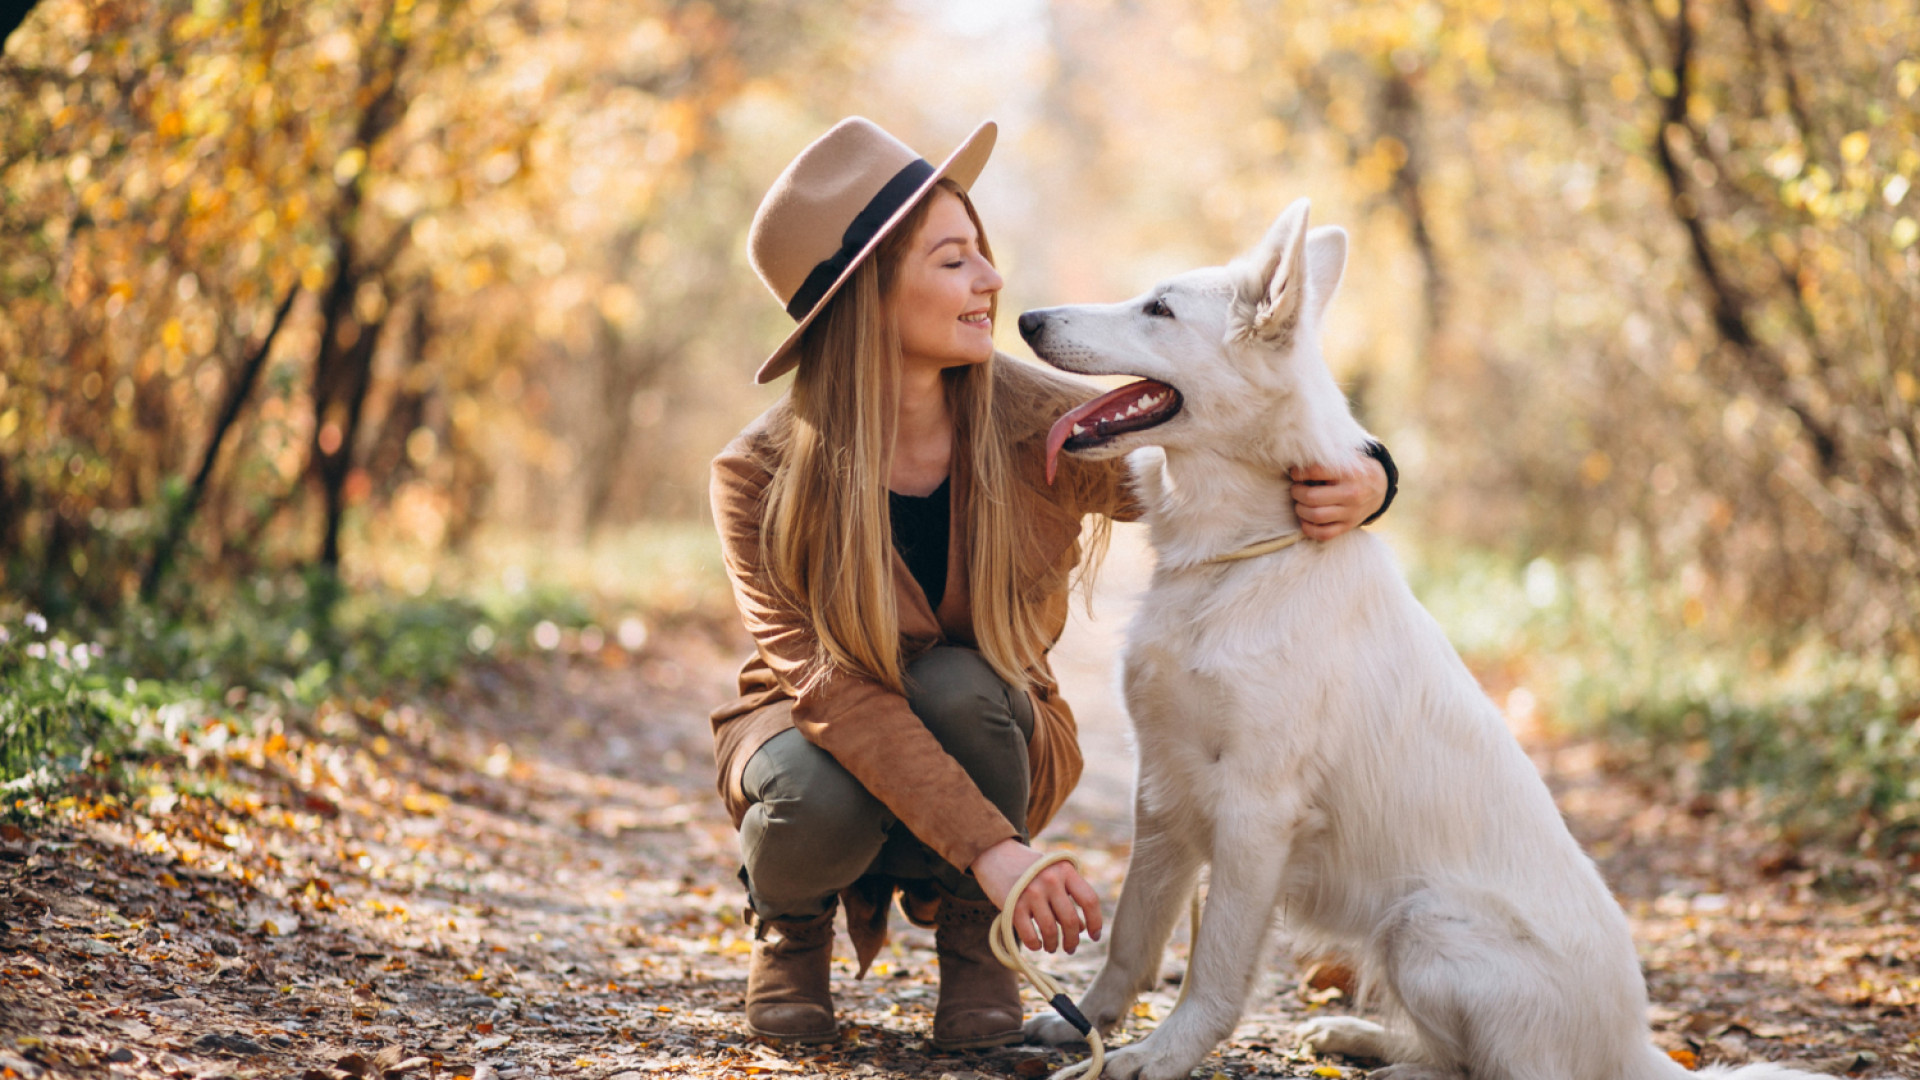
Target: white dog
(1304,726)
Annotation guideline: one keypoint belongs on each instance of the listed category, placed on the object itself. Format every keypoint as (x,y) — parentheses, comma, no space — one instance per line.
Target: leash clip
(1071,1013)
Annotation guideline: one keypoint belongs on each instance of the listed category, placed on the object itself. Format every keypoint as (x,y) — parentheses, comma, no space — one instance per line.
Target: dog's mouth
(1133,407)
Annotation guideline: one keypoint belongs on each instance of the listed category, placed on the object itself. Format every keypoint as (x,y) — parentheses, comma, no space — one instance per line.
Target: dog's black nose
(1031,323)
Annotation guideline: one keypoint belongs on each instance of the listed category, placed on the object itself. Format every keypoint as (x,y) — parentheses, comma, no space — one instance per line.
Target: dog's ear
(1271,280)
(1326,264)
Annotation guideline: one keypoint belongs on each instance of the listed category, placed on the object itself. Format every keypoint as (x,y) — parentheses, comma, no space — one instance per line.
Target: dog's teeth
(1079,429)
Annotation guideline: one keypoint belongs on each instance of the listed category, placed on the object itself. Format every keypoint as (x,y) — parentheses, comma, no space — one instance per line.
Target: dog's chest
(1192,703)
(1210,688)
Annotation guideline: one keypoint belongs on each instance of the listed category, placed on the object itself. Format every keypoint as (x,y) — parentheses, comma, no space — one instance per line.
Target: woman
(902,564)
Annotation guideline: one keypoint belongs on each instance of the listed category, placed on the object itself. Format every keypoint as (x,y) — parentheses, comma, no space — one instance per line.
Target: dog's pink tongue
(1062,429)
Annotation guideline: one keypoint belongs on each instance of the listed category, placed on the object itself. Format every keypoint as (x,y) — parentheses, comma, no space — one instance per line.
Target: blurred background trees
(277,274)
(350,286)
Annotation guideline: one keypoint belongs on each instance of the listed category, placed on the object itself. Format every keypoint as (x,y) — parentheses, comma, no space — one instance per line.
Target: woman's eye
(1158,309)
(954,265)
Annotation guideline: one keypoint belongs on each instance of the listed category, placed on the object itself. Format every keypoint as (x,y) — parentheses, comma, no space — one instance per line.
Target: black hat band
(866,224)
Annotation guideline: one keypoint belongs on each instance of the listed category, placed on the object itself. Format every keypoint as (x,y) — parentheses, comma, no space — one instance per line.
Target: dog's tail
(1668,1069)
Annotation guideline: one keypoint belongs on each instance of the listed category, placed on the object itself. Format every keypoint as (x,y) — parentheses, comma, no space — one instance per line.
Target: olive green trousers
(811,829)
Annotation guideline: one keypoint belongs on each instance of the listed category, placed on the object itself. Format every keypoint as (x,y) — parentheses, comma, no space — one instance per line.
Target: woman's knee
(801,789)
(959,697)
(810,831)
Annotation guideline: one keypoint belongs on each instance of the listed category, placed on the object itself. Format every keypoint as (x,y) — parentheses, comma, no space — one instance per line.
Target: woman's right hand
(1056,906)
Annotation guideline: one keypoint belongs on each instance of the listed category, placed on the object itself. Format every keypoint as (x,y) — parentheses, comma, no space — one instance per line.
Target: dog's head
(1227,357)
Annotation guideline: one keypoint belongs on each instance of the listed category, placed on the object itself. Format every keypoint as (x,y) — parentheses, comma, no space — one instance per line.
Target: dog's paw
(1050,1030)
(1348,1036)
(1148,1060)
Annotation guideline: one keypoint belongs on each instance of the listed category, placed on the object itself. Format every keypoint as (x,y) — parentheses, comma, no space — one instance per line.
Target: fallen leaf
(1687,1058)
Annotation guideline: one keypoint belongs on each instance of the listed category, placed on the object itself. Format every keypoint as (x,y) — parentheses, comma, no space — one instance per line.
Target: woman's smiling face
(943,288)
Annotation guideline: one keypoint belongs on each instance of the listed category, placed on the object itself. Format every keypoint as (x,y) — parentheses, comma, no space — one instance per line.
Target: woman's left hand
(1328,504)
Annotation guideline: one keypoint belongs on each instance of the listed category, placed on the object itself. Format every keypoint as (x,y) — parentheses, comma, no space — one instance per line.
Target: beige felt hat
(831,208)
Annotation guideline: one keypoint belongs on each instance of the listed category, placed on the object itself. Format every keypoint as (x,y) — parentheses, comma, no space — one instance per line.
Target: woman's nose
(990,282)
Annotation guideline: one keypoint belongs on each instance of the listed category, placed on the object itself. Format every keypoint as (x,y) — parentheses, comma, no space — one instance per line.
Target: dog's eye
(1158,309)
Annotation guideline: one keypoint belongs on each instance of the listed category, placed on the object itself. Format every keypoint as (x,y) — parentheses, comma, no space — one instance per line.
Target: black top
(920,524)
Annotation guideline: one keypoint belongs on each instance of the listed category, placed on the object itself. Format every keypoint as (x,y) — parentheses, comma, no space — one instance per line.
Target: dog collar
(1264,547)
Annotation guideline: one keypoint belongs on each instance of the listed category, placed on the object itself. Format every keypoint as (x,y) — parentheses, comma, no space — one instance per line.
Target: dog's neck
(1201,505)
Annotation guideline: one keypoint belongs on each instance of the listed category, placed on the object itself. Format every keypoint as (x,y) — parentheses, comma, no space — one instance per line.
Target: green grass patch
(86,699)
(1823,741)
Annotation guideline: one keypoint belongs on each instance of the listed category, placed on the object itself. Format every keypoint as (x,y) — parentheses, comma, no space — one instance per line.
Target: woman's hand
(1057,905)
(1328,505)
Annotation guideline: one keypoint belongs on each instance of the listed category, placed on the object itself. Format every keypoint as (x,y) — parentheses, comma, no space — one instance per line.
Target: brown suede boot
(787,994)
(979,996)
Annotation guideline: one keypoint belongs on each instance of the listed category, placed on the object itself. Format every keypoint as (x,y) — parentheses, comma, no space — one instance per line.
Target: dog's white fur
(1304,727)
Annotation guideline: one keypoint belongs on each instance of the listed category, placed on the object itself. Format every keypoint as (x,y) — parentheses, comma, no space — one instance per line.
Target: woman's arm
(1329,504)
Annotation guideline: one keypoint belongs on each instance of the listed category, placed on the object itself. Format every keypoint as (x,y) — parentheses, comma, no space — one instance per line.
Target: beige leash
(1264,547)
(1006,948)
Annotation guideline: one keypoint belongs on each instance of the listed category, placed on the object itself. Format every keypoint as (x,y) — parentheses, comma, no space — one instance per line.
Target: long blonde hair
(826,530)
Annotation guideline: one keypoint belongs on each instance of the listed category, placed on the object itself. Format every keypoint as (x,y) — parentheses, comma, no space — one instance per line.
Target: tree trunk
(180,516)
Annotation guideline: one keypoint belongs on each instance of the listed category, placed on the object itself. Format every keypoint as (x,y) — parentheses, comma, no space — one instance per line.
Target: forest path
(533,877)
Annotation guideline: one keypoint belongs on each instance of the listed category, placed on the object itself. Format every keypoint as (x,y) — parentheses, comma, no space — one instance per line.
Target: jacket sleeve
(869,729)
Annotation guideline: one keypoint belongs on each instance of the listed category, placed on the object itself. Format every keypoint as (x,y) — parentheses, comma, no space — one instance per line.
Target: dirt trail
(533,877)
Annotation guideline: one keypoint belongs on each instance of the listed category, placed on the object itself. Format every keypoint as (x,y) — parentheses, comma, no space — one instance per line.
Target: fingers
(1326,493)
(1089,902)
(1326,506)
(1324,532)
(1068,918)
(1036,923)
(1055,910)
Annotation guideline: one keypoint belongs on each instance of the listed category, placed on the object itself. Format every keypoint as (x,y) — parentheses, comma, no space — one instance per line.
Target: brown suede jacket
(868,728)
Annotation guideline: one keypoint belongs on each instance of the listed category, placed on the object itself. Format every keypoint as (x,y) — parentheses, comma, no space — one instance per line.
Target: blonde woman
(902,564)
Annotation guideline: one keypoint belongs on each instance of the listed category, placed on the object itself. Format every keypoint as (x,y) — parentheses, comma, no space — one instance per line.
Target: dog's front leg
(1160,877)
(1248,867)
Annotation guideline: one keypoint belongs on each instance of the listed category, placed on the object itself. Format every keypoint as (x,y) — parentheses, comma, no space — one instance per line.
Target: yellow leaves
(172,334)
(1905,385)
(348,166)
(619,304)
(1595,468)
(1904,233)
(1327,1071)
(424,803)
(1907,77)
(1375,169)
(1854,147)
(1662,82)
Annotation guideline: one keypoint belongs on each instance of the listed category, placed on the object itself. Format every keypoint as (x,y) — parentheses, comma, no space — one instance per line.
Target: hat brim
(962,166)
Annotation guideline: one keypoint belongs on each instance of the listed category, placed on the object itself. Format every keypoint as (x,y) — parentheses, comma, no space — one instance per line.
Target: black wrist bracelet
(1377,450)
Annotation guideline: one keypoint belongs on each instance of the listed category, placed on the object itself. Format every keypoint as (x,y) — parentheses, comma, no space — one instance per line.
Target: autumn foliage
(337,286)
